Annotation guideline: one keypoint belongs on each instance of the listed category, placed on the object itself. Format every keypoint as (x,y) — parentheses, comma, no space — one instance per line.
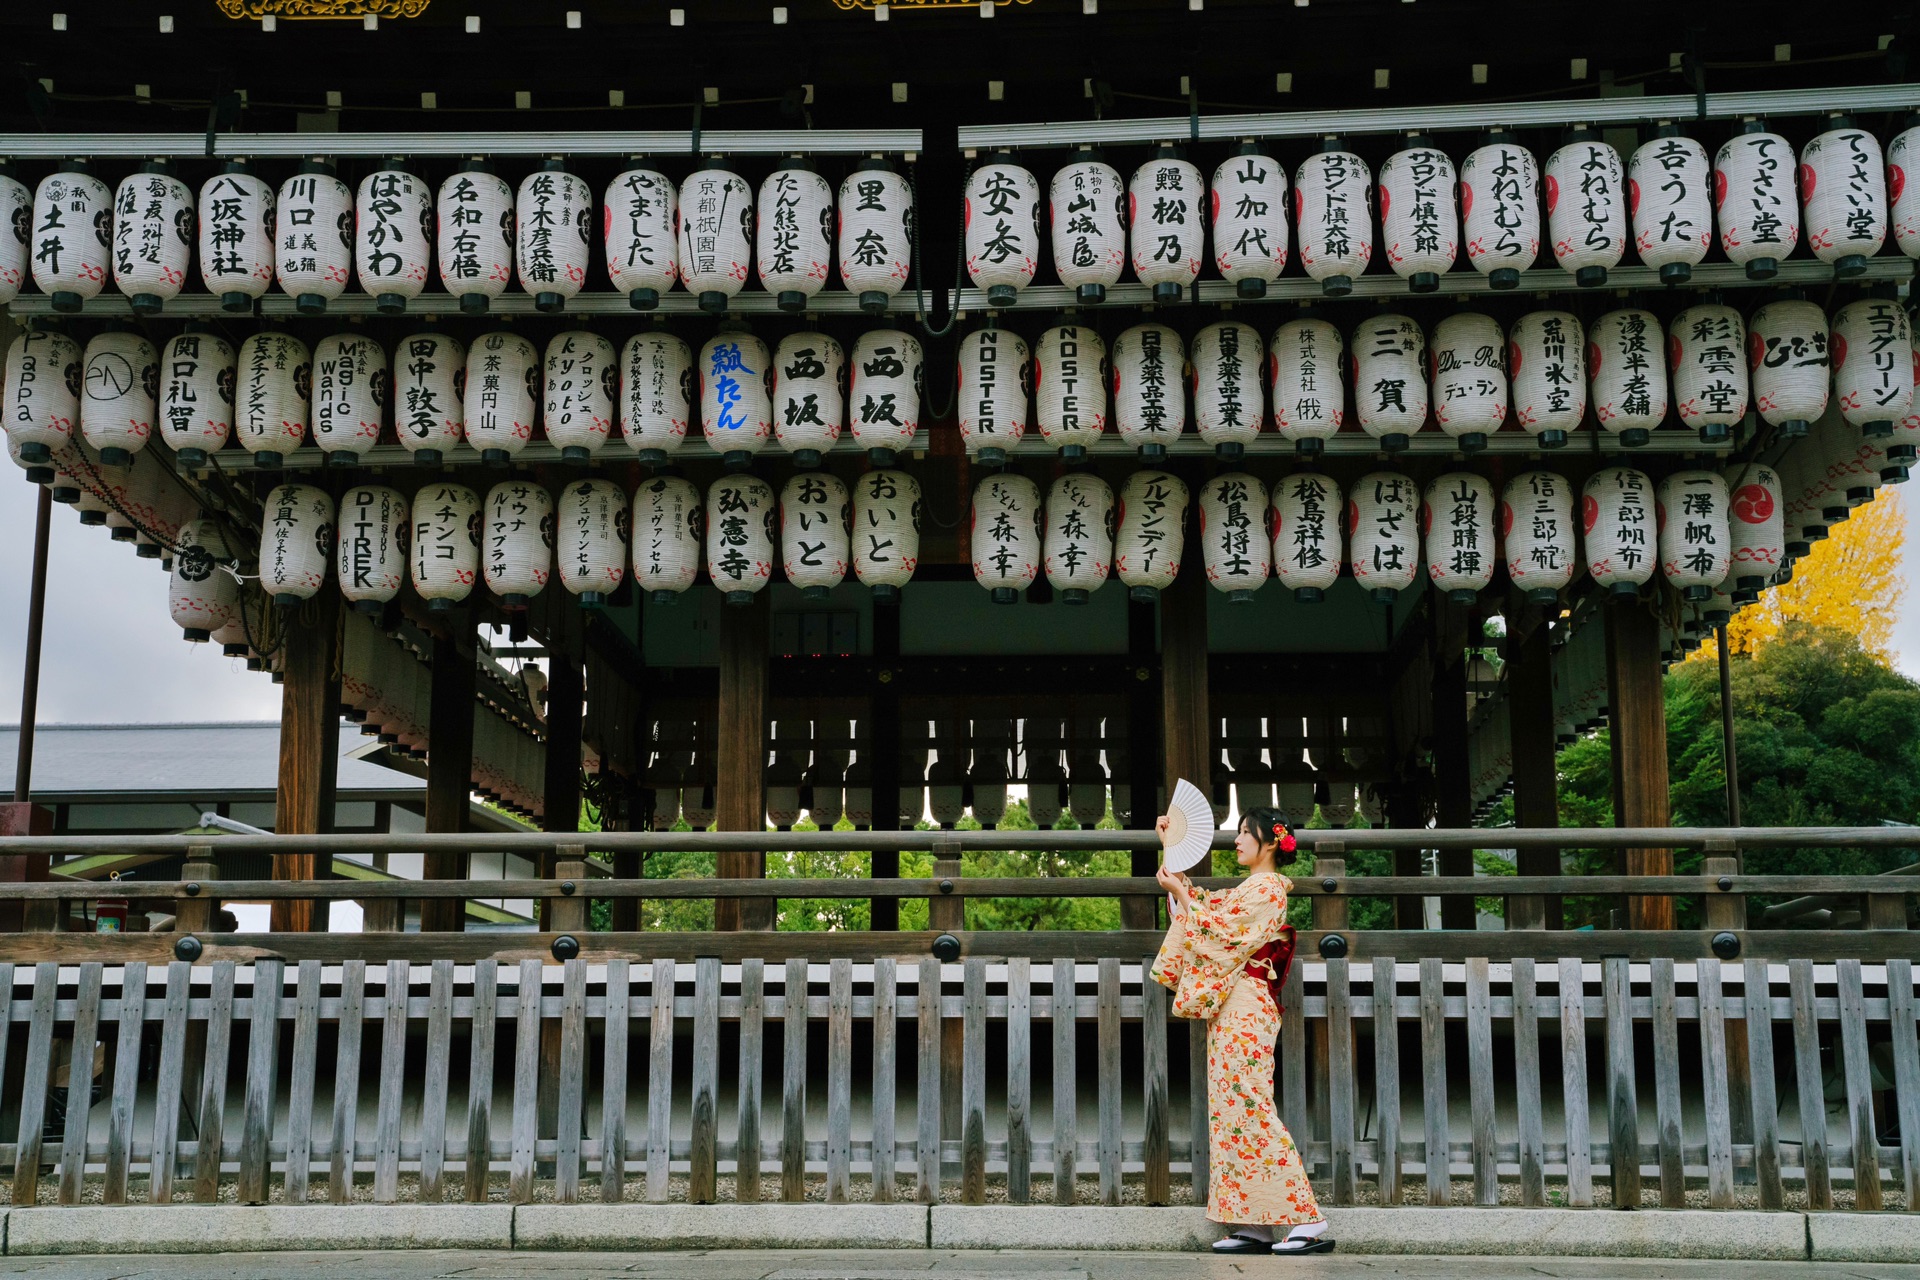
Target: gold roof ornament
(901,6)
(296,9)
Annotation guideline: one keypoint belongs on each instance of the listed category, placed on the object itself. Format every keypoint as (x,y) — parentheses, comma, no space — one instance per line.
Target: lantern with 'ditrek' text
(153,236)
(793,246)
(197,376)
(885,376)
(1390,379)
(42,403)
(1500,209)
(886,532)
(1694,546)
(1383,533)
(1228,404)
(1149,388)
(502,395)
(1843,190)
(553,220)
(994,384)
(1872,364)
(736,410)
(72,237)
(656,394)
(372,546)
(1456,523)
(16,233)
(429,407)
(875,244)
(1670,194)
(1627,375)
(741,538)
(1151,538)
(1002,229)
(1166,236)
(716,236)
(516,542)
(1307,514)
(271,398)
(313,237)
(446,544)
(590,539)
(1305,363)
(1005,537)
(1467,360)
(474,214)
(296,543)
(1536,531)
(814,514)
(1546,358)
(1250,221)
(1078,550)
(668,526)
(582,383)
(202,597)
(236,236)
(1754,199)
(809,396)
(1586,207)
(349,396)
(1070,389)
(641,225)
(1756,525)
(393,237)
(1705,345)
(1419,223)
(1233,535)
(1084,203)
(1330,209)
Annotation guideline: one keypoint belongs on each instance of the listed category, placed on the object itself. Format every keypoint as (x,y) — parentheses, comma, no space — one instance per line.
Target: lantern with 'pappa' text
(740,536)
(72,237)
(716,235)
(1546,355)
(429,408)
(1250,221)
(1419,223)
(883,394)
(202,596)
(502,395)
(1872,364)
(590,540)
(1467,359)
(349,395)
(16,235)
(886,532)
(1084,203)
(642,231)
(1006,536)
(1078,551)
(1456,523)
(736,409)
(1500,209)
(393,241)
(794,238)
(1843,187)
(657,394)
(446,544)
(296,542)
(372,559)
(271,400)
(1628,375)
(313,235)
(1309,396)
(553,217)
(1586,208)
(1536,529)
(1757,527)
(1149,389)
(1306,534)
(122,380)
(1670,191)
(197,376)
(814,549)
(42,403)
(475,212)
(995,380)
(1233,535)
(581,385)
(1389,379)
(1335,225)
(1166,237)
(1704,349)
(1070,389)
(152,237)
(1152,533)
(1002,229)
(1788,361)
(876,234)
(809,395)
(517,542)
(1383,533)
(668,525)
(1695,551)
(1754,200)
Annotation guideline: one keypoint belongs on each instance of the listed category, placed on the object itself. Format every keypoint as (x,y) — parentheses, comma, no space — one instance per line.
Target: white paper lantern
(814,541)
(657,394)
(668,525)
(393,237)
(1002,229)
(1233,534)
(794,243)
(1307,511)
(1419,224)
(197,377)
(740,536)
(313,237)
(1331,211)
(995,382)
(883,396)
(582,383)
(1757,509)
(42,393)
(1390,379)
(153,232)
(1005,537)
(1500,209)
(372,561)
(1704,346)
(202,597)
(1787,359)
(1670,193)
(809,395)
(1903,153)
(1753,193)
(72,237)
(349,395)
(1149,388)
(1070,389)
(1167,238)
(1468,360)
(1843,186)
(1872,364)
(446,544)
(1151,539)
(296,543)
(1619,528)
(1586,208)
(591,539)
(1536,530)
(1078,551)
(517,542)
(736,406)
(1907,435)
(16,235)
(502,392)
(1383,533)
(643,236)
(1250,221)
(886,532)
(236,236)
(876,234)
(1309,396)
(1456,523)
(271,399)
(1628,375)
(716,235)
(1228,400)
(475,208)
(429,402)
(1546,361)
(553,214)
(1695,548)
(1084,202)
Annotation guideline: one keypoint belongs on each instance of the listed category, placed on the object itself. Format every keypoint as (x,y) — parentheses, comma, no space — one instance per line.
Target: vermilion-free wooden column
(449,769)
(1637,723)
(1536,775)
(309,751)
(739,797)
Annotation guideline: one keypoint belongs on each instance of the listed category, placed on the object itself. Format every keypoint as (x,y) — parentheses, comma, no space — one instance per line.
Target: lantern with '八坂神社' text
(1151,538)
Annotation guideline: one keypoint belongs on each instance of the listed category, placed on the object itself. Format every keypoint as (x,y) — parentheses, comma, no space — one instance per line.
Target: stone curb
(257,1228)
(720,1226)
(1863,1237)
(956,1226)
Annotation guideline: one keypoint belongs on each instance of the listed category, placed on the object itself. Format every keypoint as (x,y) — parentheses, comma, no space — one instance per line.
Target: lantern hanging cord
(102,491)
(919,287)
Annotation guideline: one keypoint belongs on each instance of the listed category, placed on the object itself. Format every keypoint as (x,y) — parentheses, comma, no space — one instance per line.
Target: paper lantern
(475,236)
(1419,224)
(876,234)
(1006,536)
(1500,209)
(1151,538)
(995,381)
(1084,203)
(446,544)
(502,390)
(1164,214)
(16,234)
(1078,552)
(553,216)
(1872,364)
(591,539)
(1586,208)
(236,236)
(153,232)
(296,543)
(1907,434)
(1149,389)
(429,401)
(886,532)
(1250,221)
(814,537)
(517,542)
(1695,548)
(1456,522)
(1002,229)
(794,242)
(809,395)
(740,536)
(1390,379)
(313,237)
(1704,346)
(1628,376)
(642,220)
(42,393)
(372,561)
(72,237)
(197,377)
(1070,389)
(1546,356)
(1228,400)
(1536,529)
(349,396)
(1904,199)
(1233,534)
(1468,361)
(1383,533)
(1309,397)
(582,383)
(1670,194)
(716,236)
(735,406)
(271,399)
(657,394)
(668,525)
(393,237)
(122,380)
(1330,209)
(1754,201)
(1843,186)
(1757,508)
(1306,514)
(883,398)
(1619,528)
(202,597)
(1788,362)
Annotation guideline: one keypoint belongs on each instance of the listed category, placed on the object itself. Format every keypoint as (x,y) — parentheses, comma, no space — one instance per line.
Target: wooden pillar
(26,819)
(449,768)
(1406,813)
(741,756)
(948,913)
(1450,774)
(881,756)
(309,752)
(1143,758)
(1536,788)
(1637,722)
(1186,719)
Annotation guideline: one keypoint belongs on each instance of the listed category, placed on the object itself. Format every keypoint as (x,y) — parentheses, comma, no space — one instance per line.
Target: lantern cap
(1394,442)
(662,596)
(343,458)
(1167,291)
(885,593)
(1329,144)
(1676,273)
(576,455)
(805,459)
(1090,294)
(372,608)
(67,302)
(1543,595)
(236,650)
(653,457)
(474,304)
(1463,595)
(874,164)
(1497,134)
(1581,132)
(1166,151)
(1004,295)
(1717,433)
(233,301)
(1301,595)
(1384,595)
(1143,595)
(311,304)
(1902,452)
(1471,441)
(1004,595)
(1250,287)
(314,164)
(1552,438)
(1073,453)
(1696,593)
(1309,447)
(736,459)
(1503,278)
(1762,268)
(593,599)
(1074,595)
(65,494)
(1424,282)
(93,519)
(1229,451)
(991,456)
(1590,277)
(1337,286)
(790,300)
(550,302)
(739,599)
(881,456)
(35,451)
(1153,453)
(875,301)
(268,461)
(390,304)
(1853,264)
(283,600)
(426,457)
(39,473)
(1634,437)
(496,457)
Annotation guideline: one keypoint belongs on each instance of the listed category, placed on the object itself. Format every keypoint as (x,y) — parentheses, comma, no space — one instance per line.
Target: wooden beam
(449,765)
(309,751)
(1536,774)
(739,794)
(1452,778)
(1186,719)
(880,756)
(1143,758)
(1637,723)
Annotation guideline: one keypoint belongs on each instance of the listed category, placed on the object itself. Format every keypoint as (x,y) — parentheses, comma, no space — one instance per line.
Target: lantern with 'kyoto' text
(885,376)
(1166,236)
(1500,209)
(1467,357)
(1536,531)
(42,401)
(1070,389)
(1233,534)
(296,543)
(197,376)
(1628,375)
(349,395)
(590,539)
(372,546)
(1789,364)
(736,409)
(553,220)
(1383,533)
(642,228)
(1250,221)
(793,246)
(446,544)
(516,542)
(1149,388)
(1456,523)
(429,404)
(1756,507)
(668,526)
(1754,199)
(72,237)
(809,395)
(1419,222)
(1843,190)
(876,234)
(272,395)
(1705,345)
(1005,538)
(1307,512)
(995,382)
(474,214)
(814,547)
(393,237)
(153,236)
(1670,194)
(582,383)
(1390,379)
(1084,202)
(716,236)
(886,532)
(1151,538)
(1330,209)
(1228,400)
(741,540)
(1305,364)
(1002,229)
(16,233)
(1695,550)
(1078,550)
(657,394)
(502,395)
(1586,207)
(202,597)
(1546,363)
(313,237)
(1872,364)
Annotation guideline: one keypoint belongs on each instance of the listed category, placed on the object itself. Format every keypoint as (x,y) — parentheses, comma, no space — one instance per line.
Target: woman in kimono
(1218,959)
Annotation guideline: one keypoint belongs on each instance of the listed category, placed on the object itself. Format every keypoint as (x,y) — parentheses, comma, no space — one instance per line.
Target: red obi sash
(1272,962)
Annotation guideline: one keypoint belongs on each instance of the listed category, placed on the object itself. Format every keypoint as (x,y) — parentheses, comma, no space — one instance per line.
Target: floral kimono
(1254,1171)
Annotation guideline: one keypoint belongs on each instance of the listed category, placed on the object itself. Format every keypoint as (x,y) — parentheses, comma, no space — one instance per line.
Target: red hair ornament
(1287,842)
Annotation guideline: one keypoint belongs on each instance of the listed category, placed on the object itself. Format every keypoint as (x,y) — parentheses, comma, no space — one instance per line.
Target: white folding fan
(1189,828)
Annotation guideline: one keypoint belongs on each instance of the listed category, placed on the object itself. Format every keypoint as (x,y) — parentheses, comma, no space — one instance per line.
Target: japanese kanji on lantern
(72,236)
(1843,187)
(516,549)
(1250,220)
(809,396)
(446,544)
(1695,550)
(1305,527)
(1586,207)
(1757,526)
(668,526)
(349,395)
(202,597)
(1546,355)
(1704,346)
(1151,537)
(642,228)
(582,383)
(272,396)
(1500,209)
(1787,360)
(16,233)
(883,395)
(1389,379)
(793,243)
(1670,195)
(197,377)
(1456,522)
(502,395)
(1468,362)
(1078,551)
(1002,229)
(1070,389)
(1754,199)
(1084,203)
(716,236)
(1383,533)
(1167,237)
(393,239)
(371,555)
(1228,400)
(657,394)
(1419,223)
(1309,395)
(429,402)
(296,543)
(1233,534)
(152,236)
(736,409)
(1330,210)
(995,380)
(815,511)
(876,234)
(475,235)
(1005,537)
(1536,530)
(590,542)
(553,218)
(313,237)
(1903,198)
(741,539)
(1627,375)
(1873,364)
(886,532)
(1149,388)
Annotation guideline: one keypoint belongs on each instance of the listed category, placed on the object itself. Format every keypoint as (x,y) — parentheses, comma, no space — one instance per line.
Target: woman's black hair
(1267,825)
